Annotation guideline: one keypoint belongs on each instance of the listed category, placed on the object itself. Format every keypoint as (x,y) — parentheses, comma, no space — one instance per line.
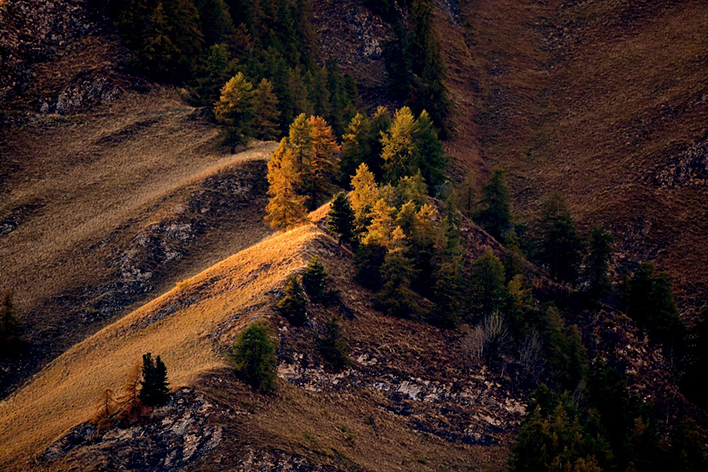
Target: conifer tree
(342,95)
(495,215)
(300,140)
(398,63)
(235,109)
(285,208)
(154,386)
(215,21)
(598,263)
(315,280)
(432,161)
(447,276)
(319,170)
(396,297)
(293,305)
(365,191)
(400,153)
(130,400)
(412,188)
(466,197)
(215,69)
(488,285)
(356,146)
(10,326)
(380,124)
(650,302)
(253,357)
(265,109)
(382,224)
(560,246)
(318,92)
(332,346)
(107,409)
(341,218)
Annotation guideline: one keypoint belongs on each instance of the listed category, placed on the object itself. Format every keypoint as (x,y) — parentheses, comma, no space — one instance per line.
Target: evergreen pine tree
(598,262)
(235,109)
(488,285)
(285,208)
(396,297)
(215,21)
(466,196)
(315,281)
(495,215)
(332,346)
(154,386)
(318,92)
(380,125)
(412,188)
(265,109)
(341,218)
(10,327)
(215,69)
(432,159)
(650,302)
(342,95)
(293,305)
(447,276)
(560,246)
(253,357)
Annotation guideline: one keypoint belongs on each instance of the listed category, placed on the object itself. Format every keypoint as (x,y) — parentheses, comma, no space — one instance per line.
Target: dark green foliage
(265,109)
(598,262)
(253,357)
(215,22)
(447,277)
(154,388)
(433,161)
(235,110)
(293,304)
(315,281)
(341,218)
(694,381)
(688,452)
(10,327)
(368,260)
(650,302)
(487,285)
(396,298)
(559,245)
(332,346)
(495,214)
(415,66)
(214,70)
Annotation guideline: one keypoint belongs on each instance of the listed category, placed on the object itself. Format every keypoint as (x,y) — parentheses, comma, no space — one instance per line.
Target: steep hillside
(605,101)
(99,210)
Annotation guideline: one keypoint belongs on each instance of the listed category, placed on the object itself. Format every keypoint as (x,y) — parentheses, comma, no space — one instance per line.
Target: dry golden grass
(178,326)
(591,98)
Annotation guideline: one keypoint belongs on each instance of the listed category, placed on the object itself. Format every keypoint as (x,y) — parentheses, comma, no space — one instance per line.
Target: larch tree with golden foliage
(286,208)
(365,191)
(319,170)
(235,109)
(400,153)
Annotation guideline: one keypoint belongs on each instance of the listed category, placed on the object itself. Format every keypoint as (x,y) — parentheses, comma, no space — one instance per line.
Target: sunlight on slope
(180,326)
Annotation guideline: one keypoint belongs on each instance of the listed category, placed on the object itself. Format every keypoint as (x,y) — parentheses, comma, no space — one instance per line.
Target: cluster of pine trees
(207,43)
(414,62)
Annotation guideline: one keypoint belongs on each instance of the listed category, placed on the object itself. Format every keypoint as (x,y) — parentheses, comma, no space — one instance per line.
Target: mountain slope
(101,209)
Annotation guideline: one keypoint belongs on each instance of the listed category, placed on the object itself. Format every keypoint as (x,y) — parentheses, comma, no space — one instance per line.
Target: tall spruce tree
(559,244)
(265,109)
(650,302)
(487,285)
(315,281)
(598,262)
(215,68)
(432,159)
(154,386)
(341,218)
(396,297)
(356,146)
(293,304)
(495,214)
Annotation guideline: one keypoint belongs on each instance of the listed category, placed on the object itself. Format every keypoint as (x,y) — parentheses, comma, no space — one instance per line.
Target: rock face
(58,56)
(170,438)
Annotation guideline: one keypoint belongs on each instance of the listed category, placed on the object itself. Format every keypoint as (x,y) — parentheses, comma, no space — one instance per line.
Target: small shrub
(253,357)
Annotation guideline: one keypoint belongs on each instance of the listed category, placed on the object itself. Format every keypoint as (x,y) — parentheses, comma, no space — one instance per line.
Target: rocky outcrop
(168,439)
